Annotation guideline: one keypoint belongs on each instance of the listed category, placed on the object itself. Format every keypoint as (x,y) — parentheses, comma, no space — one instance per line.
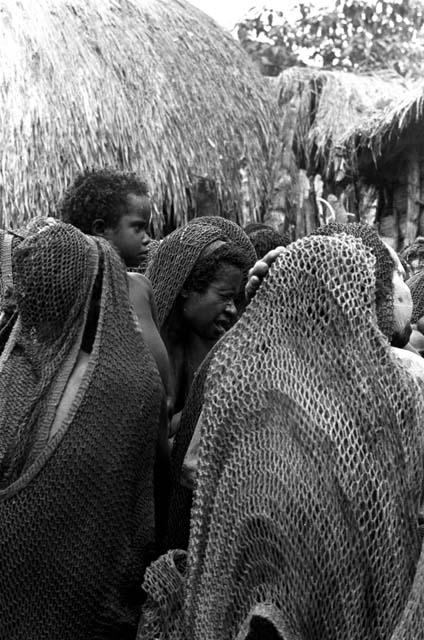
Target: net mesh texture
(384,266)
(310,466)
(76,507)
(416,286)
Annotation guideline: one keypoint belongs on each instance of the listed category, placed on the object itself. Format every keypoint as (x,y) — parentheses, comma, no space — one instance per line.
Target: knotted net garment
(8,242)
(416,286)
(384,267)
(76,508)
(233,232)
(310,463)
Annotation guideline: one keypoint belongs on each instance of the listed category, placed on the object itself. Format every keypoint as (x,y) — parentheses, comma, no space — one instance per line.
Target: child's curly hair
(99,194)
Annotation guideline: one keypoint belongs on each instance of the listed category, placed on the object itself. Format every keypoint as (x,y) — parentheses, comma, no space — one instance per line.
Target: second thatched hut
(386,152)
(316,176)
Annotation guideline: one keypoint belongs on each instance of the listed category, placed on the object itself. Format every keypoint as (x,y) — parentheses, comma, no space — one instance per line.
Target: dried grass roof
(321,109)
(382,133)
(154,86)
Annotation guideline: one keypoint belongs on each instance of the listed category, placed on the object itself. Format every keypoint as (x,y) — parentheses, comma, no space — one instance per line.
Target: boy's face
(130,237)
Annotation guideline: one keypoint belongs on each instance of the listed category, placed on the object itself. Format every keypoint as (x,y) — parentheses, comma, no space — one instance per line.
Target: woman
(198,276)
(310,464)
(79,427)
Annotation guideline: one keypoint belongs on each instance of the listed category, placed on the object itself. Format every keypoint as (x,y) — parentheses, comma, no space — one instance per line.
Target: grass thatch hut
(318,112)
(153,86)
(387,151)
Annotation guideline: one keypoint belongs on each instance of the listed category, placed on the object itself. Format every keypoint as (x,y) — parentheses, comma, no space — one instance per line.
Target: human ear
(98,227)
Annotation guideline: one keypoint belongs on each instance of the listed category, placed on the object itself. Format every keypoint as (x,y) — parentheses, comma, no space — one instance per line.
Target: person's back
(310,462)
(76,473)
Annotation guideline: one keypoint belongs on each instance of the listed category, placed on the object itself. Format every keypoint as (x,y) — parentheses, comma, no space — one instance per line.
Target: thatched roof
(385,133)
(154,86)
(320,109)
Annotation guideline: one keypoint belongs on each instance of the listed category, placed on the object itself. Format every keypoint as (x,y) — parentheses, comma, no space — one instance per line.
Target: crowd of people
(218,435)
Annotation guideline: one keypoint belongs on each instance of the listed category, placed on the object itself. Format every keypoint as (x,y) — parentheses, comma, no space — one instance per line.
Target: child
(116,206)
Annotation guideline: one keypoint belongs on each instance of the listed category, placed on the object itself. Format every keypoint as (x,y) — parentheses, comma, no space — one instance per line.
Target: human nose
(231,309)
(145,239)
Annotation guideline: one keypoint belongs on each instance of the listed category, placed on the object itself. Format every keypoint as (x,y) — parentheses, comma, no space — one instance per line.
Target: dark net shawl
(416,285)
(384,267)
(310,463)
(76,509)
(7,295)
(233,232)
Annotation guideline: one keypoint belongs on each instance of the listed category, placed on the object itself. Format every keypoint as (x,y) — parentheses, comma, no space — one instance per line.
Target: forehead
(137,206)
(228,275)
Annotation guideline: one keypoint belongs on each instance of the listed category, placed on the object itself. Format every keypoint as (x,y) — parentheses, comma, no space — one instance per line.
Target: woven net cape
(8,311)
(310,464)
(9,240)
(383,267)
(416,285)
(178,252)
(77,508)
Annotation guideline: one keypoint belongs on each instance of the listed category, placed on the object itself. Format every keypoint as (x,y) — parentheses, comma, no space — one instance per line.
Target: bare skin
(143,303)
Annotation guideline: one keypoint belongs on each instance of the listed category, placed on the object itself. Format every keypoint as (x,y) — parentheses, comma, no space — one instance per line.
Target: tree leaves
(356,35)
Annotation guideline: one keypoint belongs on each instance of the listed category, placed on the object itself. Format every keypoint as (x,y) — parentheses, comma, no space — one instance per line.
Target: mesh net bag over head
(416,286)
(236,235)
(7,298)
(310,462)
(178,252)
(76,503)
(384,267)
(9,240)
(174,260)
(233,232)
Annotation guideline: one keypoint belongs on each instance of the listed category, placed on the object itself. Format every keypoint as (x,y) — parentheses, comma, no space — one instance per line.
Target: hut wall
(393,206)
(413,196)
(401,193)
(421,196)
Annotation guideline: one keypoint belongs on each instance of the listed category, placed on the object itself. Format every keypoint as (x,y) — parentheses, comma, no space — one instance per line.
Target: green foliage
(356,35)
